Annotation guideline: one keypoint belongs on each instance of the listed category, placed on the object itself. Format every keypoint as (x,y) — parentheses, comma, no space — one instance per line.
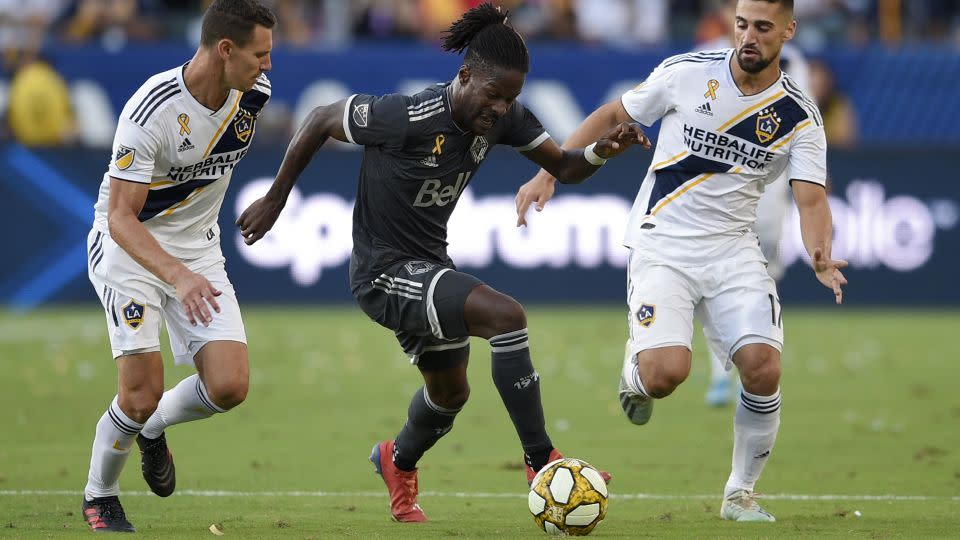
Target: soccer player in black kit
(420,152)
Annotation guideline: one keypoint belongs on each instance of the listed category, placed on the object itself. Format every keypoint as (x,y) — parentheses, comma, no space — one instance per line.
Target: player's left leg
(742,316)
(502,321)
(219,352)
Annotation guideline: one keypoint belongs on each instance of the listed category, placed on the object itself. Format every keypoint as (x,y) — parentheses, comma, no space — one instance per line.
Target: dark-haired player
(154,250)
(420,153)
(731,123)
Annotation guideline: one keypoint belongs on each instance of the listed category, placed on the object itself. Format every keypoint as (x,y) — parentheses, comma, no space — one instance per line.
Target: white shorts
(136,302)
(735,300)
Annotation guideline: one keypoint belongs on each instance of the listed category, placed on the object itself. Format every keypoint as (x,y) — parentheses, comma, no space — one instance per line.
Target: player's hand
(828,272)
(197,295)
(618,139)
(539,190)
(258,218)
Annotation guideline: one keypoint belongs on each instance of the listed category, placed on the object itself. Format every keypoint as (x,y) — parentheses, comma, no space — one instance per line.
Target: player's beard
(753,66)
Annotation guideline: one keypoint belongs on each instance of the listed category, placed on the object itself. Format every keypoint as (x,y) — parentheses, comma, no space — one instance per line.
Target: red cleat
(555,455)
(402,485)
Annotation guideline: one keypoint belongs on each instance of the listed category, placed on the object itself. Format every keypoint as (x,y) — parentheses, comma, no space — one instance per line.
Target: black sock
(536,460)
(426,423)
(519,387)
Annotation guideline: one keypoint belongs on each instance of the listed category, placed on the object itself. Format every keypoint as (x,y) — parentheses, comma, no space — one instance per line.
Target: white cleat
(742,505)
(637,407)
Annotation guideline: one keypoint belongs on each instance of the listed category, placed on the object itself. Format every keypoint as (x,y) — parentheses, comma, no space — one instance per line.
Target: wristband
(592,157)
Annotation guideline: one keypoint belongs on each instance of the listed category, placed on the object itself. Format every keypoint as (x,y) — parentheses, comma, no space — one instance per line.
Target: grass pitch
(870,424)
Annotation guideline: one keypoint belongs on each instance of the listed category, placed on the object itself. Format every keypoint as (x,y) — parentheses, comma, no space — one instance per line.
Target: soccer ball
(568,497)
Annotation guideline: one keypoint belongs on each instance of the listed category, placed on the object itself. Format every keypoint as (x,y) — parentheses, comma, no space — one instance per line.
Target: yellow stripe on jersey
(762,104)
(690,185)
(786,139)
(183,202)
(161,183)
(671,161)
(216,136)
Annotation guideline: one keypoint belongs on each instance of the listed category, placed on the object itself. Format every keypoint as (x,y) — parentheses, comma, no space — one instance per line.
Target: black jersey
(416,163)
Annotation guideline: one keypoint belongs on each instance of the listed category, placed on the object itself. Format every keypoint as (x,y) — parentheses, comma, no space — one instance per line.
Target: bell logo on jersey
(124,158)
(431,194)
(133,314)
(243,126)
(768,123)
(646,315)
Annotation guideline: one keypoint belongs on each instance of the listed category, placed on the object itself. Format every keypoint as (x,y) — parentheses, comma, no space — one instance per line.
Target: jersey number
(776,311)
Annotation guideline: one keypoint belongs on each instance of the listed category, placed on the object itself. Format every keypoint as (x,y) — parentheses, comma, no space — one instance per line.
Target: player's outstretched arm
(194,291)
(600,127)
(816,229)
(322,123)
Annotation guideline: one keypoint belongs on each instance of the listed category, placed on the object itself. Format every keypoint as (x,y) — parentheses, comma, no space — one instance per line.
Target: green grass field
(870,424)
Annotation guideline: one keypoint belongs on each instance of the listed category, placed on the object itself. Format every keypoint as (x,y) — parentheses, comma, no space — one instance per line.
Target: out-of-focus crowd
(27,27)
(25,24)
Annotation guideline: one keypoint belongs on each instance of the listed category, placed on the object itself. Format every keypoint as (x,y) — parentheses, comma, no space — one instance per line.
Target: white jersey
(186,152)
(717,151)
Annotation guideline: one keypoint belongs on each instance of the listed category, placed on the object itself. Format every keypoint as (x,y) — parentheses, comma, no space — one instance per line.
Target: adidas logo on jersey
(185,145)
(430,161)
(705,109)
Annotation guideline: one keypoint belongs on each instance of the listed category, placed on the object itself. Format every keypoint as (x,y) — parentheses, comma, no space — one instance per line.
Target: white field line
(479,495)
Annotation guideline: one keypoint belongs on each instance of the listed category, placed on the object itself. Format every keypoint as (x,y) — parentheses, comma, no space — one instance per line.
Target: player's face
(245,64)
(760,30)
(487,96)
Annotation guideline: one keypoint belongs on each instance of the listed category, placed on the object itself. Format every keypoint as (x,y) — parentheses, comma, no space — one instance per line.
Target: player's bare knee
(139,405)
(451,397)
(662,384)
(508,315)
(763,378)
(228,394)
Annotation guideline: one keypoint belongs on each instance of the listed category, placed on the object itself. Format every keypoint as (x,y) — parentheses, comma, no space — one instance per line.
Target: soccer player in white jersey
(732,122)
(154,251)
(772,208)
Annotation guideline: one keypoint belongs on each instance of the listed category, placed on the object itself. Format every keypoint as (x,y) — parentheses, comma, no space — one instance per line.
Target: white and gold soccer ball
(568,497)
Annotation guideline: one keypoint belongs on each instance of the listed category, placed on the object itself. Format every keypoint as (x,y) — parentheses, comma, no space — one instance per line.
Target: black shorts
(423,303)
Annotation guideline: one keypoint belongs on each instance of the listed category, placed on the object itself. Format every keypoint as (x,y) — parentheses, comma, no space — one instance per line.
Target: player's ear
(464,75)
(225,48)
(791,30)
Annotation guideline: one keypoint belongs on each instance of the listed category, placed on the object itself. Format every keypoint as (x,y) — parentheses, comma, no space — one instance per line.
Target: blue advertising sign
(895,214)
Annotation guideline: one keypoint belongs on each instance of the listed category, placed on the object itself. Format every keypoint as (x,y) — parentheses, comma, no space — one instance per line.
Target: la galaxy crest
(243,126)
(124,157)
(768,124)
(133,313)
(646,315)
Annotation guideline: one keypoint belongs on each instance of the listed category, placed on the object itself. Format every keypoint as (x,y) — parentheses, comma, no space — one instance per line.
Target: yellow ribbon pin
(437,147)
(712,86)
(184,121)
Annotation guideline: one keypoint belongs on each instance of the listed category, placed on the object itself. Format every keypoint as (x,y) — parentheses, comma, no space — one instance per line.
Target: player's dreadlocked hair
(489,40)
(234,20)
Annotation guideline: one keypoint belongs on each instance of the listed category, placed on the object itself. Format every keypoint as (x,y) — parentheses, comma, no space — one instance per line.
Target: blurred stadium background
(884,72)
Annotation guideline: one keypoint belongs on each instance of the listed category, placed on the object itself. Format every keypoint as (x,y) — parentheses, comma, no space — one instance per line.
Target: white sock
(631,374)
(185,402)
(755,427)
(718,371)
(111,446)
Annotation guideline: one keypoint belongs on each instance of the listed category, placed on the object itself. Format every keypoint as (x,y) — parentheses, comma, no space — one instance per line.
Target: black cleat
(156,464)
(105,514)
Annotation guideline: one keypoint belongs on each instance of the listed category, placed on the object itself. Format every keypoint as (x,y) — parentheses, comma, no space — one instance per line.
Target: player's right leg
(130,301)
(657,358)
